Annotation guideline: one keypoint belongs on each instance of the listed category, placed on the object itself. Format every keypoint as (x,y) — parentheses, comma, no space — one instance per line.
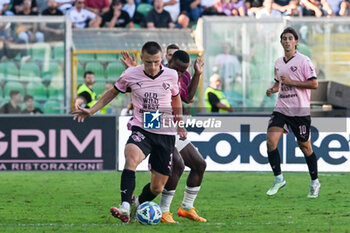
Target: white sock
(279,178)
(126,205)
(165,200)
(189,197)
(314,182)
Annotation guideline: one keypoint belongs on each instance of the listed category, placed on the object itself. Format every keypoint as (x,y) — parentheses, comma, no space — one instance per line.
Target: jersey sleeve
(122,84)
(308,69)
(276,75)
(175,86)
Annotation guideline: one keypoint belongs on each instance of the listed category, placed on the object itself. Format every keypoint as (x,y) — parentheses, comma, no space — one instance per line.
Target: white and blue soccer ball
(149,213)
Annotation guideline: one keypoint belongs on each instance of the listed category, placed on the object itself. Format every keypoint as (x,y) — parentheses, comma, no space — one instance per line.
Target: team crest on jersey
(166,86)
(293,68)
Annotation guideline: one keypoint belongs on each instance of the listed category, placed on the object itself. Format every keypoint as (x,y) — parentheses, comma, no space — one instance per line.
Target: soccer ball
(149,213)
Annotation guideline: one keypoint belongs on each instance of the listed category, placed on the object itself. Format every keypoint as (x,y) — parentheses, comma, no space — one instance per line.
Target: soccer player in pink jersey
(179,60)
(294,77)
(156,99)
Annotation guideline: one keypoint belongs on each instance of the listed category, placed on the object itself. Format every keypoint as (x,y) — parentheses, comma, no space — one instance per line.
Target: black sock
(275,161)
(127,185)
(146,194)
(312,165)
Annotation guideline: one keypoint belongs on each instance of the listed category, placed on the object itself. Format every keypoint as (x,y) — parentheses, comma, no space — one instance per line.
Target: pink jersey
(184,82)
(294,101)
(150,94)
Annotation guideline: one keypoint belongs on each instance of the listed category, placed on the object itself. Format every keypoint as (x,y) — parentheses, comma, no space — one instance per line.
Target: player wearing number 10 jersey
(294,77)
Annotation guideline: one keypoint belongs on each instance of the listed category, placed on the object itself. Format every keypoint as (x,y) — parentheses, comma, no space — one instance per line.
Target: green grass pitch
(231,201)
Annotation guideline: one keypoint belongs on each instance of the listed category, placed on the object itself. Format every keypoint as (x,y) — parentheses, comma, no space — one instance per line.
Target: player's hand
(127,60)
(198,65)
(81,113)
(181,131)
(286,80)
(269,92)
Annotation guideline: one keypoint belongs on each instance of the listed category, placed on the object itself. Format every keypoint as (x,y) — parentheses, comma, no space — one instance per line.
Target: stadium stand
(30,72)
(58,52)
(144,8)
(9,71)
(53,107)
(37,90)
(97,68)
(13,85)
(41,52)
(55,93)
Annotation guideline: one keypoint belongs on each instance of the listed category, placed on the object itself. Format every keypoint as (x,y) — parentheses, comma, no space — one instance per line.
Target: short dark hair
(151,47)
(290,30)
(27,97)
(88,72)
(14,92)
(181,56)
(172,46)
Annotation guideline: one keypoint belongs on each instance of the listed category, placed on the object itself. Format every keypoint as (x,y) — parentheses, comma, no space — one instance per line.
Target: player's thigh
(138,146)
(192,157)
(133,154)
(273,136)
(178,162)
(160,159)
(277,126)
(301,127)
(180,144)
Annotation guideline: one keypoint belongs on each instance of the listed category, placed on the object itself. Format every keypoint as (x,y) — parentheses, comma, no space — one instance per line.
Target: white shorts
(180,144)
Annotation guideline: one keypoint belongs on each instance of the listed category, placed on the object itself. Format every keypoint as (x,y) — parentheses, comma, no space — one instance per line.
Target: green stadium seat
(50,70)
(86,57)
(98,69)
(137,25)
(114,70)
(99,87)
(58,52)
(13,85)
(1,93)
(30,72)
(8,71)
(2,72)
(37,90)
(53,107)
(144,8)
(55,93)
(106,57)
(41,52)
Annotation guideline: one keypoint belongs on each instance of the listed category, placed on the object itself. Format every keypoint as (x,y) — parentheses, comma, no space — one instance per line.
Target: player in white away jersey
(155,93)
(294,77)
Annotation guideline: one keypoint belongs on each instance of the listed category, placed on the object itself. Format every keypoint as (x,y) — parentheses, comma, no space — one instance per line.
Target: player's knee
(202,165)
(157,189)
(131,162)
(271,145)
(178,168)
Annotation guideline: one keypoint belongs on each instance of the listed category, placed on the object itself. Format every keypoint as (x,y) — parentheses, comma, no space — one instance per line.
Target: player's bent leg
(177,170)
(273,135)
(194,160)
(133,157)
(311,161)
(170,187)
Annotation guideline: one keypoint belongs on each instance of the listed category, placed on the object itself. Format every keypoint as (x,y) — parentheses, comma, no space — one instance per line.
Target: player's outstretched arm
(192,88)
(177,110)
(273,89)
(308,84)
(82,113)
(127,60)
